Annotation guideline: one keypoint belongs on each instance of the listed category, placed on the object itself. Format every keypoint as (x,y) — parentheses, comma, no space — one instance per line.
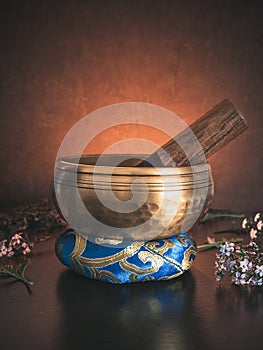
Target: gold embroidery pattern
(161,249)
(134,277)
(80,244)
(112,259)
(155,260)
(190,253)
(103,274)
(184,240)
(187,260)
(154,254)
(93,272)
(165,278)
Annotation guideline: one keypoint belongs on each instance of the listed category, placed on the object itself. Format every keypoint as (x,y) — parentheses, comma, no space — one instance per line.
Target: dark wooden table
(68,311)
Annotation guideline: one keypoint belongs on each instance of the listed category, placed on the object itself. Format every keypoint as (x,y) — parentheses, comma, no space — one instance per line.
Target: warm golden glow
(117,133)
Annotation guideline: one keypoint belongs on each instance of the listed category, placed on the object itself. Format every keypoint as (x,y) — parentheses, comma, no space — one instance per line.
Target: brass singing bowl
(159,202)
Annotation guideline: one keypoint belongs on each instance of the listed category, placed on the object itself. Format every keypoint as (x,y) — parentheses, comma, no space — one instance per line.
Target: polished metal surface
(167,201)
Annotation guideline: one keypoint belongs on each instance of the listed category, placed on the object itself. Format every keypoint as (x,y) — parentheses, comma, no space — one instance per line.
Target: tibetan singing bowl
(111,204)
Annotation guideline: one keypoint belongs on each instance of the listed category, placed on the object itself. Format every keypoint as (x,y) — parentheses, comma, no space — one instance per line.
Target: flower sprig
(16,271)
(20,230)
(12,251)
(254,226)
(212,243)
(18,244)
(243,263)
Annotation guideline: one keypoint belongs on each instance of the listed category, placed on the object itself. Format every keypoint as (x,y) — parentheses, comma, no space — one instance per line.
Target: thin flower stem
(208,245)
(218,243)
(14,272)
(211,216)
(17,276)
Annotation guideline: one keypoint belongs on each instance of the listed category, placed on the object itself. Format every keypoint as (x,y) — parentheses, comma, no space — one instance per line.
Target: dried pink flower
(18,244)
(253,233)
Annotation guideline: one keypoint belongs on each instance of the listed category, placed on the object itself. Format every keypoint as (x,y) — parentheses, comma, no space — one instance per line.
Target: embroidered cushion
(140,261)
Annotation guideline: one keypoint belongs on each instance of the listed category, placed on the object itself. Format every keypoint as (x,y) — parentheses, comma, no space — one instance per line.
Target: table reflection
(146,315)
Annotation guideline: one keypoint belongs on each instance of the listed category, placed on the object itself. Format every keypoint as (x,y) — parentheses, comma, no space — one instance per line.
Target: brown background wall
(63,59)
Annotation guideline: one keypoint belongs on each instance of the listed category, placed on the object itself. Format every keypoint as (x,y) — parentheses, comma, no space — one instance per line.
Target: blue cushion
(141,261)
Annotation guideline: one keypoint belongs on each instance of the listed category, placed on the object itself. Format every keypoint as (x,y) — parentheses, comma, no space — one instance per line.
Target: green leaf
(16,271)
(218,243)
(219,215)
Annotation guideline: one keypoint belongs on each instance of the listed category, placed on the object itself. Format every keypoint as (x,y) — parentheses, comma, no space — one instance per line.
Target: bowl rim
(68,164)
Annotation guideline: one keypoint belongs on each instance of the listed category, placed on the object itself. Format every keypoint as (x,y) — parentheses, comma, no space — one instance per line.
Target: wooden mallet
(214,130)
